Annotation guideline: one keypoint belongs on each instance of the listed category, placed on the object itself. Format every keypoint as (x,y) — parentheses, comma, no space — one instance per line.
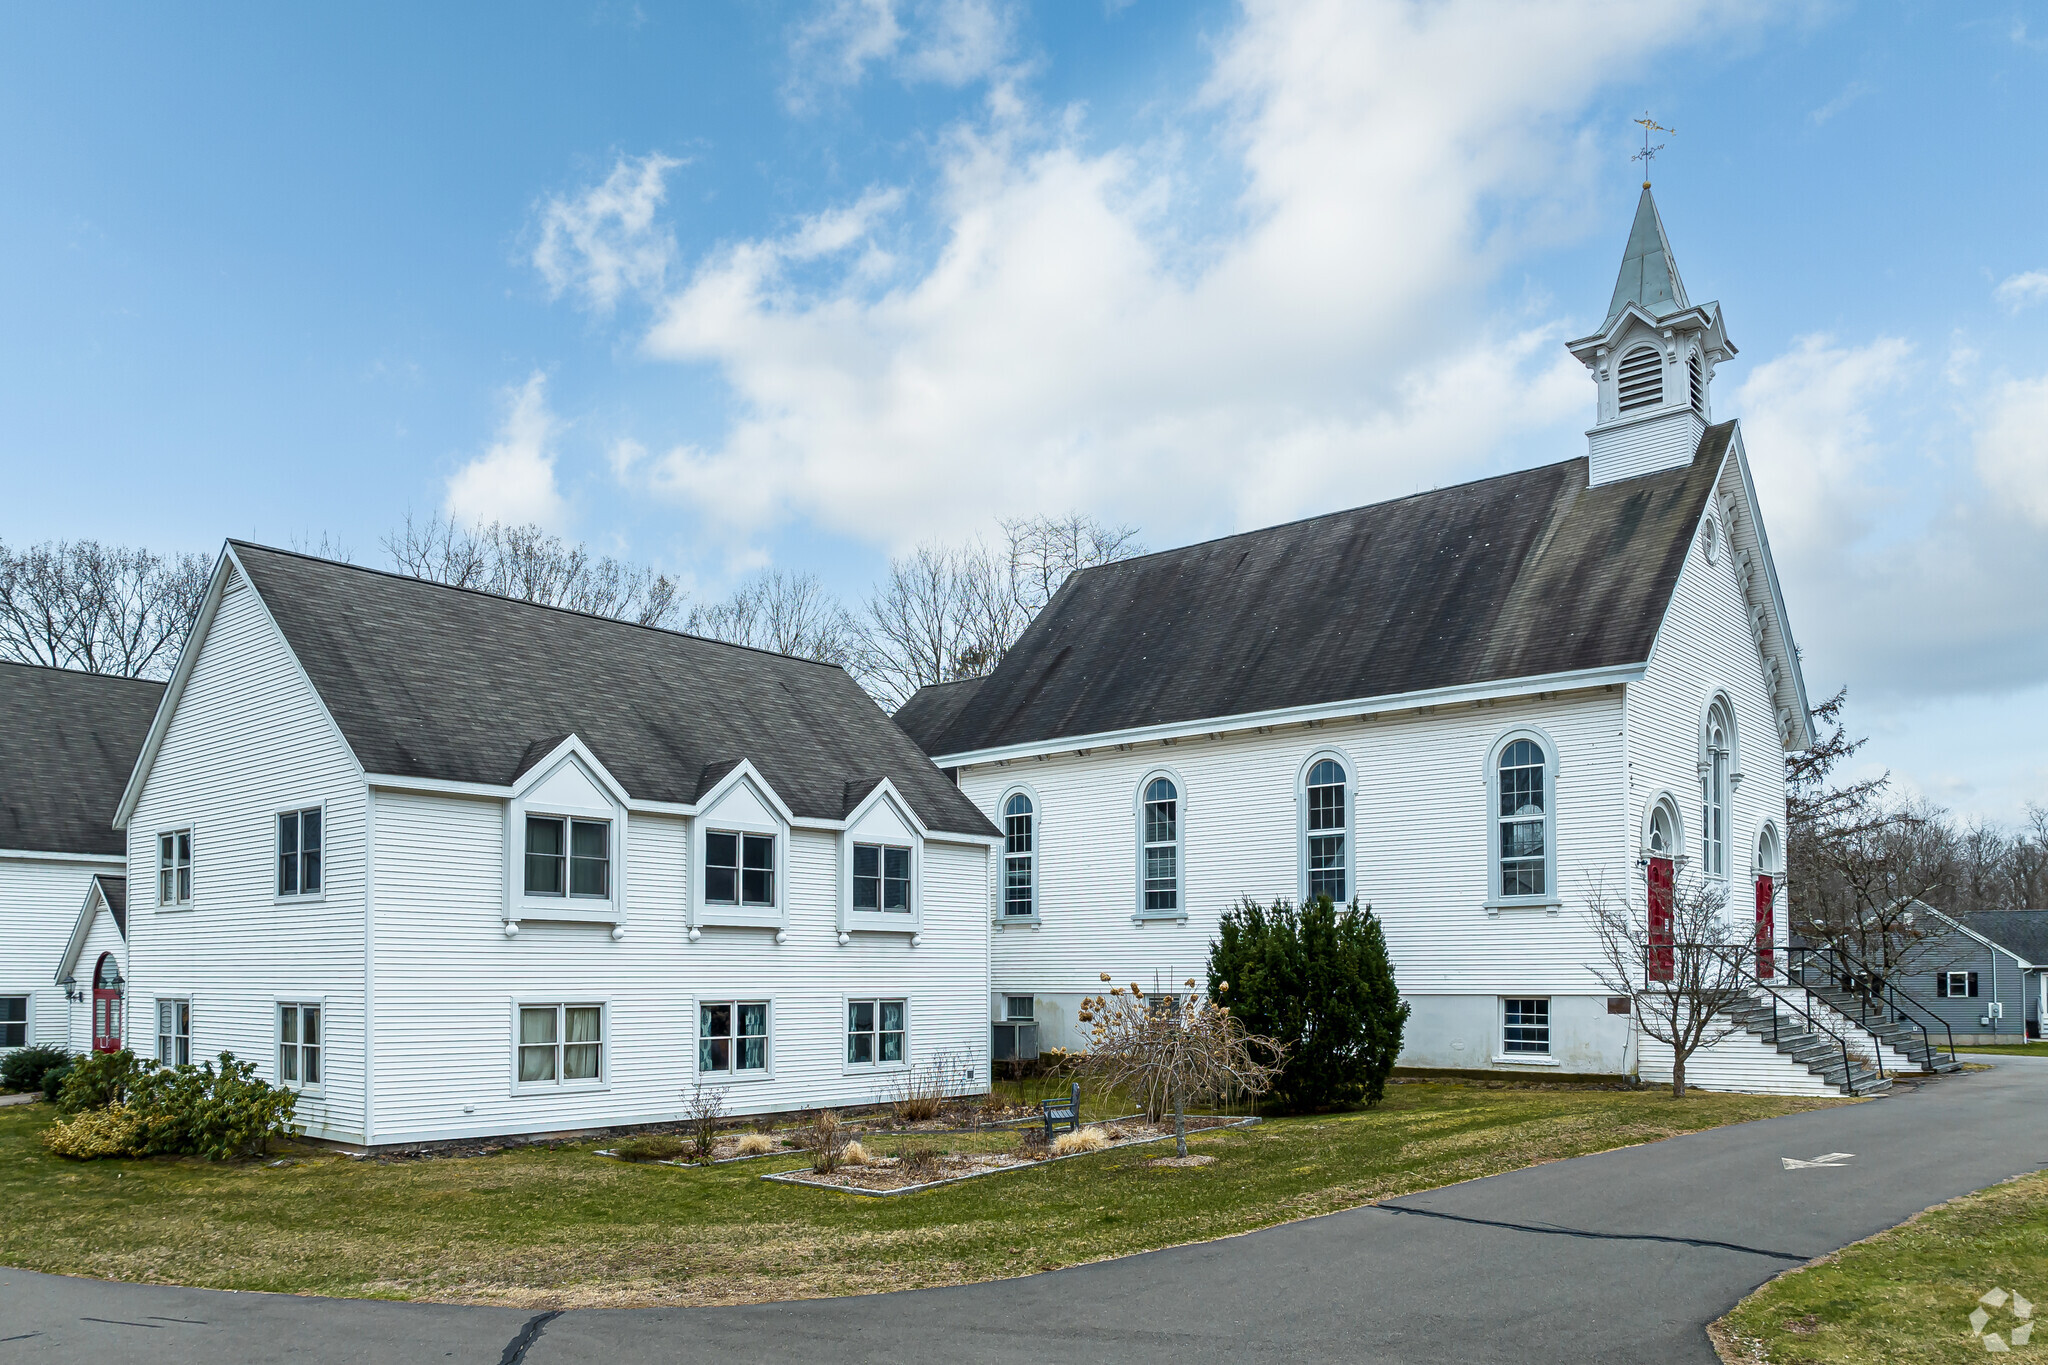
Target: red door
(1766,927)
(106,1006)
(1662,963)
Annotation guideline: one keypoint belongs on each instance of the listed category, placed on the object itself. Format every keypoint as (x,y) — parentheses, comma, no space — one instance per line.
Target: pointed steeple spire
(1649,273)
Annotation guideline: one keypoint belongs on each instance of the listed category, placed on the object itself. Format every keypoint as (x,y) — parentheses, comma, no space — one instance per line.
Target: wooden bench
(1063,1115)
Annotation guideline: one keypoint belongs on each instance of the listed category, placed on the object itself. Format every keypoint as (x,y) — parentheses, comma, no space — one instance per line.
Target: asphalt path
(1623,1256)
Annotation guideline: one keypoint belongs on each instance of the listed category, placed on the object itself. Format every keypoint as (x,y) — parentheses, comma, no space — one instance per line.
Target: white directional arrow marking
(1824,1159)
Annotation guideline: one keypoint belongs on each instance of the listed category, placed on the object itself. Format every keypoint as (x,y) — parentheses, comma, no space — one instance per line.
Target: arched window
(1020,857)
(1522,816)
(1769,864)
(1698,375)
(1326,826)
(1641,379)
(1663,833)
(1714,816)
(1159,847)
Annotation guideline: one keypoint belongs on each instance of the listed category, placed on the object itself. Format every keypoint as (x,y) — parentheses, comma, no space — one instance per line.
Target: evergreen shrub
(1317,979)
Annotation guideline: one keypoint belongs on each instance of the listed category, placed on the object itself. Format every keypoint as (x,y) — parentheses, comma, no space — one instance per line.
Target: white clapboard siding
(448,979)
(1740,1062)
(39,903)
(1422,835)
(1705,646)
(249,739)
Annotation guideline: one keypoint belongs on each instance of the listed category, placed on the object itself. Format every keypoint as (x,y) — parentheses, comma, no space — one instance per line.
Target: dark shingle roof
(1517,576)
(932,708)
(437,682)
(67,744)
(2023,932)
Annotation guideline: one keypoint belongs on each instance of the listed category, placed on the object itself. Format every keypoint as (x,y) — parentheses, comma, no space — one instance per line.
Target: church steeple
(1649,272)
(1652,360)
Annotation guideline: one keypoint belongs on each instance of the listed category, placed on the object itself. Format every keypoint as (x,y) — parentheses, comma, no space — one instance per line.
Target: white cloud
(604,242)
(1082,336)
(2012,446)
(2017,291)
(513,481)
(947,42)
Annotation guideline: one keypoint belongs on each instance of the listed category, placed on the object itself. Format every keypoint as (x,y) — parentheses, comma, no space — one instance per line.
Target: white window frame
(183,899)
(1665,798)
(1772,863)
(278,894)
(1550,899)
(1527,1056)
(732,1075)
(608,805)
(1947,984)
(1349,830)
(717,818)
(301,1003)
(568,894)
(877,999)
(561,1004)
(1717,768)
(27,1021)
(1179,912)
(157,1029)
(1030,859)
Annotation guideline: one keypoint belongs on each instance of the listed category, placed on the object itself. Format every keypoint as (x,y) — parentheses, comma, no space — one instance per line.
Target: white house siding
(102,937)
(448,979)
(249,739)
(39,902)
(1741,1062)
(1423,837)
(1706,645)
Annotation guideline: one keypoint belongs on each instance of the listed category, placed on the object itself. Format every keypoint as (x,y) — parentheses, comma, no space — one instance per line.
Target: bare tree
(100,608)
(945,613)
(1684,980)
(533,565)
(1173,1050)
(788,613)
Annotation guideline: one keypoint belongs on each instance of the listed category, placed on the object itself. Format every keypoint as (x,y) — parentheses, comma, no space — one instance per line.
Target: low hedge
(119,1106)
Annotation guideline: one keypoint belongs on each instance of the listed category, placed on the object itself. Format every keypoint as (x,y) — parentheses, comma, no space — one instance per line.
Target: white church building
(1461,708)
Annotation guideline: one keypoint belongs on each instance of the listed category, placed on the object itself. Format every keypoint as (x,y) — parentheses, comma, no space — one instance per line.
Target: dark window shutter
(1941,984)
(1973,985)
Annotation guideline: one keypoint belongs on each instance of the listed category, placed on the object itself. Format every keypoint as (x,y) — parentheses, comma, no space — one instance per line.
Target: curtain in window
(583,1045)
(753,1040)
(537,1044)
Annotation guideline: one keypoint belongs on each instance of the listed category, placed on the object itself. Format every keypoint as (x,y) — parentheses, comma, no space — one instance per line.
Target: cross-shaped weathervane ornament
(1649,153)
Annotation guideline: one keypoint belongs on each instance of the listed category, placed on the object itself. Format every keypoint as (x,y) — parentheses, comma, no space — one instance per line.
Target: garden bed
(890,1175)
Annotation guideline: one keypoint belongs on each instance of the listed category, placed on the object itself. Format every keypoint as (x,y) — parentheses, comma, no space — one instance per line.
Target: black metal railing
(1875,994)
(1807,1007)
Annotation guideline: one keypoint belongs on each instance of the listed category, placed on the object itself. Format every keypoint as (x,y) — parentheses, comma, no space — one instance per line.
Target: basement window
(1525,1026)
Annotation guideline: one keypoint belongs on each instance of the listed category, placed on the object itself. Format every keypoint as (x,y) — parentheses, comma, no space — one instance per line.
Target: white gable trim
(1573,680)
(224,572)
(113,862)
(853,921)
(1788,657)
(574,756)
(708,915)
(87,913)
(745,771)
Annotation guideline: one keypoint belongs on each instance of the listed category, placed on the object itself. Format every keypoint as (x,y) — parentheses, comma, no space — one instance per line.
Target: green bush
(97,1080)
(53,1081)
(187,1110)
(1317,979)
(25,1068)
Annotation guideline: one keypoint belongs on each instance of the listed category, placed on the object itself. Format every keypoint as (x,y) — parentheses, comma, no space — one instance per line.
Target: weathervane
(1649,153)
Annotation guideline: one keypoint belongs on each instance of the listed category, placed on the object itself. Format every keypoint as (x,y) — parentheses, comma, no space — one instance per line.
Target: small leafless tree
(533,565)
(788,613)
(1173,1050)
(1684,983)
(100,608)
(703,1111)
(944,613)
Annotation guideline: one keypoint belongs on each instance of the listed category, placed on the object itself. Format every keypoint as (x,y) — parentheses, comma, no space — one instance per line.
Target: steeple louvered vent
(1699,384)
(1642,379)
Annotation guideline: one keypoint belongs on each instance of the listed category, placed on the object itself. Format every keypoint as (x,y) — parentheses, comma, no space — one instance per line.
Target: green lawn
(2007,1049)
(559,1226)
(1907,1294)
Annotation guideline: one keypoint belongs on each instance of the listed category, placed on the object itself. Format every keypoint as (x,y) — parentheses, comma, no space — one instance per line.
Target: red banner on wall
(1663,966)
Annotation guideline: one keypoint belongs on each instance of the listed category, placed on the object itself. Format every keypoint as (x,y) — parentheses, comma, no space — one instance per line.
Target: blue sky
(805,284)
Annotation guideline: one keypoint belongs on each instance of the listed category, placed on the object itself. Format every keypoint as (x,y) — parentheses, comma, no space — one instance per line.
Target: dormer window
(1642,379)
(568,856)
(1698,374)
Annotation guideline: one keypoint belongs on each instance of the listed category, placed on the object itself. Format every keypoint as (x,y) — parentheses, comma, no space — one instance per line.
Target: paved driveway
(1618,1257)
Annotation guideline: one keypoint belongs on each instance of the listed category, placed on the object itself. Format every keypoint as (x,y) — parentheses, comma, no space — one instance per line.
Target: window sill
(1160,917)
(316,898)
(874,1069)
(866,923)
(565,1088)
(733,917)
(1017,921)
(548,911)
(180,908)
(750,1077)
(1525,1059)
(1549,907)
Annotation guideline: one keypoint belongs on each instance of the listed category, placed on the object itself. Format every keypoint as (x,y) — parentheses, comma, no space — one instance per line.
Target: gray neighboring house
(1986,974)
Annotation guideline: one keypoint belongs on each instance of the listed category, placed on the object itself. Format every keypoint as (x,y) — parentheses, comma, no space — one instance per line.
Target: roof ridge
(526,602)
(1326,516)
(81,672)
